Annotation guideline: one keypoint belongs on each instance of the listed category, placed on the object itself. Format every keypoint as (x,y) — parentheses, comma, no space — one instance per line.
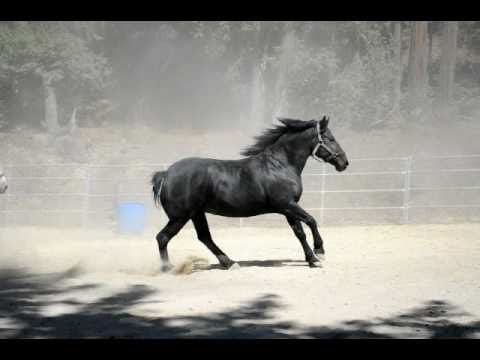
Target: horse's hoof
(319,252)
(315,264)
(234,266)
(321,257)
(226,262)
(166,268)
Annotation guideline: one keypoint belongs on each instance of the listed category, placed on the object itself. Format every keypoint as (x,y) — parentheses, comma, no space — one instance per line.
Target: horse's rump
(221,187)
(157,182)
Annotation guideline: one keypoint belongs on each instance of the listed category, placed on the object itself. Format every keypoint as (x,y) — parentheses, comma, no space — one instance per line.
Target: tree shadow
(23,299)
(433,319)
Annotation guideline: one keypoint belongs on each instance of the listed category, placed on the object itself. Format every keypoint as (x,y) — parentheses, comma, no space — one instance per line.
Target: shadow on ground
(259,263)
(24,297)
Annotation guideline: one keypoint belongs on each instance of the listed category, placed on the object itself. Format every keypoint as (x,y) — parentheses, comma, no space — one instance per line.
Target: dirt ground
(418,281)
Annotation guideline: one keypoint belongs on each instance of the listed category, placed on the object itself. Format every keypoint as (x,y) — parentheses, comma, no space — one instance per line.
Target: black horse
(268,180)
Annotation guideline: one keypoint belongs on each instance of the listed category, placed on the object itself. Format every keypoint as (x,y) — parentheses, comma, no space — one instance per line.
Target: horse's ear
(296,124)
(324,123)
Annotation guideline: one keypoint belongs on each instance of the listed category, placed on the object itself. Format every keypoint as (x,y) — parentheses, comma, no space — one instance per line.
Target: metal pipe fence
(87,178)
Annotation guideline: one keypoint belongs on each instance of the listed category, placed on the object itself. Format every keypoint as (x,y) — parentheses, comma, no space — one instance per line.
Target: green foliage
(308,77)
(52,52)
(316,78)
(364,89)
(302,69)
(51,49)
(347,93)
(358,91)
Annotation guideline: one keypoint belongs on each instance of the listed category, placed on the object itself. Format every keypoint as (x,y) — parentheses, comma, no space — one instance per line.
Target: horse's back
(188,172)
(196,165)
(188,185)
(222,187)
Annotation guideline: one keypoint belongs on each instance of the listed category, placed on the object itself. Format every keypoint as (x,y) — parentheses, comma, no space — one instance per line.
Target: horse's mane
(264,140)
(271,135)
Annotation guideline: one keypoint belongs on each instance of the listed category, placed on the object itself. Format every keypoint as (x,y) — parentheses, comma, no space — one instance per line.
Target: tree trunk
(257,102)
(397,40)
(260,110)
(418,76)
(288,43)
(430,44)
(51,113)
(448,60)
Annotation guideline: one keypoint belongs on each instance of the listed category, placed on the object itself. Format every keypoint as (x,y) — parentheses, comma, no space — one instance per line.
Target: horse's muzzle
(341,167)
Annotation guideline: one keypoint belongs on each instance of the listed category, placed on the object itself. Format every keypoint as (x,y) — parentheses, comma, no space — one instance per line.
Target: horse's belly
(235,212)
(235,206)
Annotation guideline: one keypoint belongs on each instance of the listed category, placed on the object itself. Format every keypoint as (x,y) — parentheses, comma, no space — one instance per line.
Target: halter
(321,143)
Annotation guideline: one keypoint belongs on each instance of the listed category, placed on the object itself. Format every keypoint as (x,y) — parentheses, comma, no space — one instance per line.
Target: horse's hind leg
(164,236)
(203,233)
(297,228)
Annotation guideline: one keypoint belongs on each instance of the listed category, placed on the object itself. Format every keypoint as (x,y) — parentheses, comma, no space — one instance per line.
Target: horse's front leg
(310,257)
(295,211)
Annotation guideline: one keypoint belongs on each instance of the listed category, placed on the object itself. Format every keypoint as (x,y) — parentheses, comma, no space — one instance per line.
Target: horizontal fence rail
(13,200)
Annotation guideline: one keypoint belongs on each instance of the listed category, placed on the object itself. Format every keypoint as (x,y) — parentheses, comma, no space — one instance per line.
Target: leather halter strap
(321,144)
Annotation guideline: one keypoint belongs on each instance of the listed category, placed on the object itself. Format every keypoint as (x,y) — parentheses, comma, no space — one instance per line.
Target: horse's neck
(295,153)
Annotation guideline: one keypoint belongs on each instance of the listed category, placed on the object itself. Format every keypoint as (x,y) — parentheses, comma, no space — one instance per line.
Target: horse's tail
(157,181)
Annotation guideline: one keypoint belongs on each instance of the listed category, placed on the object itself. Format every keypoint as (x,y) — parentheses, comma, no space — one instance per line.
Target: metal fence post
(322,194)
(406,189)
(86,204)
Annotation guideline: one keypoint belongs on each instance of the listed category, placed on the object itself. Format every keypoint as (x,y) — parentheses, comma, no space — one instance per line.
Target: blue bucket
(131,218)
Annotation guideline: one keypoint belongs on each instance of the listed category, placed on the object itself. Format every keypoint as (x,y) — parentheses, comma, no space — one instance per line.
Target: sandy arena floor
(377,281)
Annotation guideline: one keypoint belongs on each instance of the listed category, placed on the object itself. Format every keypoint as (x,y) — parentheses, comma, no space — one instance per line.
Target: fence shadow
(23,298)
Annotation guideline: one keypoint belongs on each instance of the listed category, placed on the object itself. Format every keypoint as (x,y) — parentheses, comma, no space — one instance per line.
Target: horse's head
(327,148)
(3,182)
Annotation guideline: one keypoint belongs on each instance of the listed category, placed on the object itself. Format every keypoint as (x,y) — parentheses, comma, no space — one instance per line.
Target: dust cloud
(171,90)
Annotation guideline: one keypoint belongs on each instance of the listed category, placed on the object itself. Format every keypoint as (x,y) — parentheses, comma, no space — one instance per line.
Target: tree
(397,88)
(56,56)
(418,61)
(448,60)
(287,49)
